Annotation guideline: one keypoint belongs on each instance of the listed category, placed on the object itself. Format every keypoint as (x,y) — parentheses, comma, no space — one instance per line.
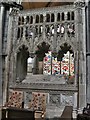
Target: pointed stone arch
(66,47)
(67,62)
(42,49)
(40,42)
(21,44)
(73,47)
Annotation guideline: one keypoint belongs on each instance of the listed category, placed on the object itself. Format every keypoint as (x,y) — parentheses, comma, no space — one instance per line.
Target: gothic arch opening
(42,49)
(66,58)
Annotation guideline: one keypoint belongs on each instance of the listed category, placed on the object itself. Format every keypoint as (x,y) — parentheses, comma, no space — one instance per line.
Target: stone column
(2,13)
(40,67)
(80,36)
(35,65)
(88,51)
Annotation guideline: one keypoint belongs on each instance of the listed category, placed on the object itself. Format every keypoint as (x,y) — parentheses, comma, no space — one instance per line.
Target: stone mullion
(44,28)
(50,16)
(60,16)
(35,63)
(65,16)
(65,34)
(34,19)
(24,28)
(33,37)
(55,34)
(55,38)
(65,25)
(15,31)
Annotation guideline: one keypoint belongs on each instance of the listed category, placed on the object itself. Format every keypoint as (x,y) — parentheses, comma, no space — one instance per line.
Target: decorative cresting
(50,25)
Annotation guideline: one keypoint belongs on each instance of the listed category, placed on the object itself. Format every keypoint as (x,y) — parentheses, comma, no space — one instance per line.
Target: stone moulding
(44,86)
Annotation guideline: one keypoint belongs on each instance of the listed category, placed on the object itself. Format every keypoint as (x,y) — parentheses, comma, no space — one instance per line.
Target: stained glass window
(67,64)
(52,65)
(47,64)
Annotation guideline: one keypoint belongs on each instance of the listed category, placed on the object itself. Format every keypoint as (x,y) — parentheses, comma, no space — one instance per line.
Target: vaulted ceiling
(50,3)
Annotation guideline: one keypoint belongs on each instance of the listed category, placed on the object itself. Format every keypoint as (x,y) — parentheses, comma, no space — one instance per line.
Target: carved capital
(13,11)
(79,4)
